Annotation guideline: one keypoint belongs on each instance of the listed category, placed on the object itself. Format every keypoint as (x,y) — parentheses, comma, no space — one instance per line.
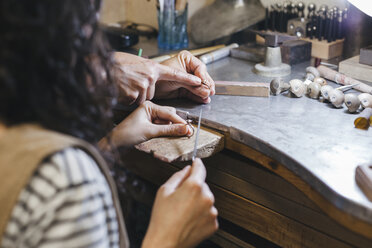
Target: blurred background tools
(323,27)
(273,66)
(206,54)
(223,18)
(195,52)
(120,38)
(141,29)
(323,24)
(343,79)
(172,21)
(359,66)
(217,54)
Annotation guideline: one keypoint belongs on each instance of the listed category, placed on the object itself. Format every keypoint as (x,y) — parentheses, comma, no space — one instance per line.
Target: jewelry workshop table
(286,176)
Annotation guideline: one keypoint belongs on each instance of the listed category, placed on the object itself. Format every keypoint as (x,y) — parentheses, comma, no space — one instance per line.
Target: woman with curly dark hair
(58,84)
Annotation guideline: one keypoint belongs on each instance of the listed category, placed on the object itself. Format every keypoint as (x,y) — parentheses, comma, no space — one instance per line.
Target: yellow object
(195,52)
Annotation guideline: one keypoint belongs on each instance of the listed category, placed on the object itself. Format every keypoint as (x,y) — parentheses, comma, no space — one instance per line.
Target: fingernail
(189,131)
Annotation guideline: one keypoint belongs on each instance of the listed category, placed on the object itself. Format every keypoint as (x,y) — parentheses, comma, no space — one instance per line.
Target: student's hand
(185,61)
(147,121)
(183,214)
(137,77)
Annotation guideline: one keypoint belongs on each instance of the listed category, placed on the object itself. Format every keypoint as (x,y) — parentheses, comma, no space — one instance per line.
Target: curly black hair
(54,67)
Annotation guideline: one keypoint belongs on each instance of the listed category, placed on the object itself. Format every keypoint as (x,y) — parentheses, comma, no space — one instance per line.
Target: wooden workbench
(286,175)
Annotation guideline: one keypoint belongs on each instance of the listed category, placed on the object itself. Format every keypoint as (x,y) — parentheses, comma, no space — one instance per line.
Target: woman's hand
(185,61)
(136,77)
(147,121)
(183,213)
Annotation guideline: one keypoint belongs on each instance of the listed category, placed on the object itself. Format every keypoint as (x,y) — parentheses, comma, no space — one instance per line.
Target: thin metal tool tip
(197,136)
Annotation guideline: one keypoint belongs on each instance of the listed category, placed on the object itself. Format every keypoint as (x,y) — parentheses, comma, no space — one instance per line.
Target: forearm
(152,240)
(126,58)
(114,139)
(104,144)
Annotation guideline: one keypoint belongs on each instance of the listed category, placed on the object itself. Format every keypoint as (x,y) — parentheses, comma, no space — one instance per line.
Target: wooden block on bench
(242,88)
(352,68)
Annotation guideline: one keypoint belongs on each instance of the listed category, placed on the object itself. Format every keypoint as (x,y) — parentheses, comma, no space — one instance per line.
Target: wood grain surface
(250,215)
(352,68)
(242,88)
(363,177)
(358,226)
(170,149)
(326,50)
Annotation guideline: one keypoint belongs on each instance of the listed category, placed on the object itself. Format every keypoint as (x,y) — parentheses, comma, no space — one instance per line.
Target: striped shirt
(67,203)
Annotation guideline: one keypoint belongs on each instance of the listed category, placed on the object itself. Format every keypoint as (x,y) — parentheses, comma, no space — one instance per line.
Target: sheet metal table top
(314,140)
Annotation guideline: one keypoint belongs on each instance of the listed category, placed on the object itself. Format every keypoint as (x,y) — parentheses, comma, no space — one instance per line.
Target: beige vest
(22,149)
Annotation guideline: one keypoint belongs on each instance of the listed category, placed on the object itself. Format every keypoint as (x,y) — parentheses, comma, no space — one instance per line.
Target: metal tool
(346,87)
(273,39)
(273,66)
(197,136)
(311,10)
(297,27)
(322,24)
(294,10)
(339,24)
(218,54)
(301,8)
(267,17)
(335,23)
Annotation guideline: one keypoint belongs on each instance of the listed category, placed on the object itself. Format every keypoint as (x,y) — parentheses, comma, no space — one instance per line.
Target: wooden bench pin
(363,177)
(242,88)
(171,149)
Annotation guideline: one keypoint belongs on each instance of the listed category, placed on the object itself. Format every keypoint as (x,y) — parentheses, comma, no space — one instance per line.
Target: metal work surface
(314,140)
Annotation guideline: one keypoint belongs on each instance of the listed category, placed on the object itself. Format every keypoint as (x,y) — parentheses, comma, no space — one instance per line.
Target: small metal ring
(205,82)
(191,126)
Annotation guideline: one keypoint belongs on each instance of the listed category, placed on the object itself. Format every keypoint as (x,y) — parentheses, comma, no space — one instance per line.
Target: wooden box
(326,50)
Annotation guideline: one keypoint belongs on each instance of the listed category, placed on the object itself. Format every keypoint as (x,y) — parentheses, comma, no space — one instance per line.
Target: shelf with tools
(323,27)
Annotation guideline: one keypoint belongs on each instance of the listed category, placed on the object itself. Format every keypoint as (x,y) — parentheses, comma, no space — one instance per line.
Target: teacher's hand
(186,62)
(136,77)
